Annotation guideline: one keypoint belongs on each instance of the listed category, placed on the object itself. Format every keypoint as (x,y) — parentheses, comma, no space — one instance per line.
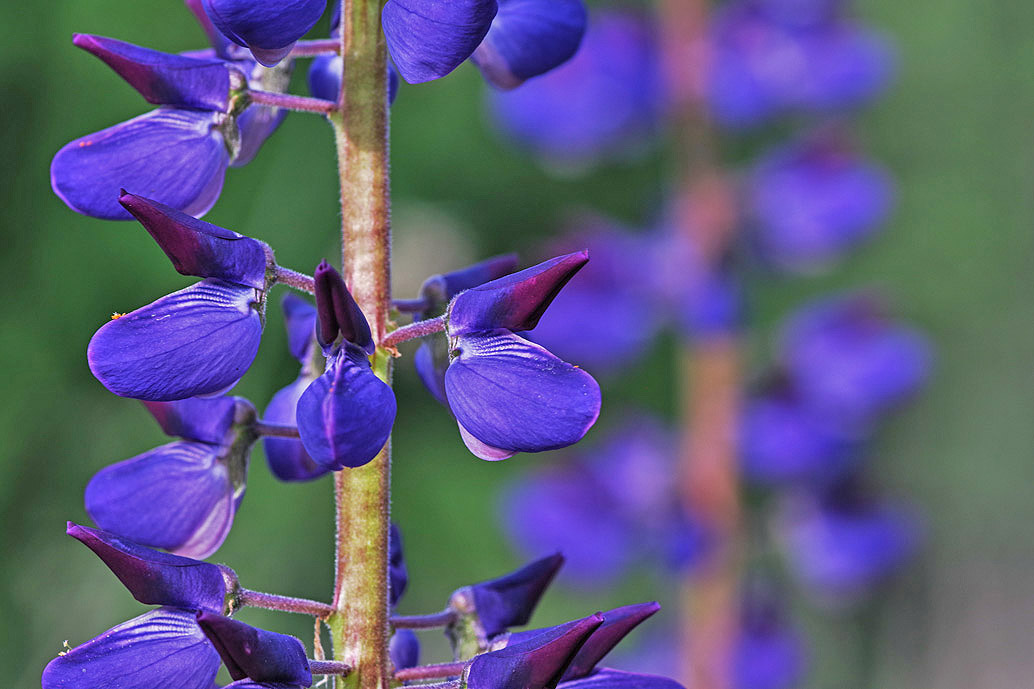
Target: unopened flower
(257,654)
(269,28)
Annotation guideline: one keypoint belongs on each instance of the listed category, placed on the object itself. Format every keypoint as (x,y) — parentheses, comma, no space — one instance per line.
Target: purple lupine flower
(398,575)
(345,415)
(608,314)
(849,361)
(268,28)
(432,358)
(287,457)
(164,647)
(428,39)
(762,67)
(534,663)
(507,601)
(200,340)
(404,649)
(782,441)
(814,200)
(157,578)
(607,97)
(509,395)
(529,38)
(256,654)
(181,496)
(617,624)
(842,544)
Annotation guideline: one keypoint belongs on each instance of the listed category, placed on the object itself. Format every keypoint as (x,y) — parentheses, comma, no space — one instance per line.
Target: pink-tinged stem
(322,46)
(438,619)
(413,331)
(270,601)
(359,626)
(329,667)
(295,280)
(430,671)
(275,430)
(292,102)
(711,376)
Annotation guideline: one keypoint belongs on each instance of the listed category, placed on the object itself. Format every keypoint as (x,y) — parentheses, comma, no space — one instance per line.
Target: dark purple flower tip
(345,416)
(404,649)
(202,419)
(398,575)
(428,39)
(438,290)
(181,497)
(536,663)
(197,341)
(606,678)
(514,396)
(337,312)
(287,457)
(300,322)
(509,600)
(163,78)
(529,38)
(783,441)
(269,28)
(849,361)
(606,99)
(216,39)
(198,248)
(256,654)
(515,302)
(162,648)
(178,157)
(325,78)
(617,624)
(153,577)
(814,201)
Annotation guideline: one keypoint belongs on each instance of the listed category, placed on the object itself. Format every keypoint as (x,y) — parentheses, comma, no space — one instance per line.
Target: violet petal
(428,39)
(515,302)
(162,648)
(509,601)
(193,342)
(153,577)
(606,678)
(198,248)
(529,38)
(287,457)
(438,290)
(300,322)
(404,649)
(177,157)
(256,654)
(617,623)
(514,395)
(269,28)
(203,419)
(345,416)
(164,78)
(178,497)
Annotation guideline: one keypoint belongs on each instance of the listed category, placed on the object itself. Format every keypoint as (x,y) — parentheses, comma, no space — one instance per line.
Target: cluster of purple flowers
(181,354)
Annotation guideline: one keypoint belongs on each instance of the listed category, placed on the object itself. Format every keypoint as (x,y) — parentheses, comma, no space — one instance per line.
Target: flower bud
(257,654)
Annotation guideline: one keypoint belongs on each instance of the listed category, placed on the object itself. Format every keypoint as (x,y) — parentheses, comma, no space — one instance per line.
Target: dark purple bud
(181,497)
(287,457)
(398,576)
(510,395)
(337,312)
(515,302)
(345,416)
(428,39)
(529,38)
(404,649)
(163,78)
(268,28)
(537,663)
(617,623)
(156,578)
(606,678)
(256,654)
(196,247)
(198,341)
(814,201)
(849,361)
(438,290)
(605,100)
(300,322)
(203,419)
(162,648)
(325,78)
(509,601)
(177,156)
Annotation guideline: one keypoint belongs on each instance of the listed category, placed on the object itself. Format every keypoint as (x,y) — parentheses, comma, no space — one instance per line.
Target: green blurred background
(956,130)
